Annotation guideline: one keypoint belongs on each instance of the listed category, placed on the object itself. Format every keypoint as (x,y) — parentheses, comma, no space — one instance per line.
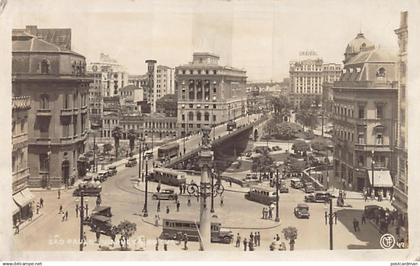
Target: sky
(258,36)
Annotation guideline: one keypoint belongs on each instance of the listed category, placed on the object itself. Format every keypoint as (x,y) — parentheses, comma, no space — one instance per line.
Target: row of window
(197,72)
(21,129)
(361,137)
(19,161)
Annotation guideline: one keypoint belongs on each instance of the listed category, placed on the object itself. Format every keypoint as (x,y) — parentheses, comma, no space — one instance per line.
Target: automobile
(371,210)
(296,183)
(309,188)
(276,148)
(319,197)
(148,155)
(248,154)
(302,211)
(131,162)
(164,194)
(102,175)
(90,189)
(251,178)
(112,170)
(284,189)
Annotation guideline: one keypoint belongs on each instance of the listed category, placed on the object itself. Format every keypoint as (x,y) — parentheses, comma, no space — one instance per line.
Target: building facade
(364,118)
(55,80)
(140,81)
(307,76)
(208,94)
(20,169)
(95,97)
(401,182)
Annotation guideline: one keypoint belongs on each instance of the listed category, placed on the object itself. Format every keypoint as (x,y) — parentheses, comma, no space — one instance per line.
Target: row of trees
(117,134)
(307,115)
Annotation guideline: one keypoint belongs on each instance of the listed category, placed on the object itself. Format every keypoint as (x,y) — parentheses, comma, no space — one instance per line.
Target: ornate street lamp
(145,213)
(142,147)
(329,220)
(82,209)
(373,173)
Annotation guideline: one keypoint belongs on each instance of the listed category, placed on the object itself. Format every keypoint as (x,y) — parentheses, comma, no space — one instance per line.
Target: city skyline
(262,38)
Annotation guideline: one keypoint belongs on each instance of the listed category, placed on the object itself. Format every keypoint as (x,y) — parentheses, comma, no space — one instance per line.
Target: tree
(319,145)
(117,135)
(131,135)
(300,147)
(281,105)
(290,233)
(307,118)
(306,103)
(262,163)
(287,130)
(126,229)
(107,147)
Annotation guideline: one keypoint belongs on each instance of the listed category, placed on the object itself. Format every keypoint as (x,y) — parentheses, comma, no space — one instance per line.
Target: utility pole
(145,213)
(277,196)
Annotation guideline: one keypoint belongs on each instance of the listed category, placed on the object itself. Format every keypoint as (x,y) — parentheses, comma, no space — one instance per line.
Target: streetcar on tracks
(168,151)
(262,195)
(175,229)
(167,176)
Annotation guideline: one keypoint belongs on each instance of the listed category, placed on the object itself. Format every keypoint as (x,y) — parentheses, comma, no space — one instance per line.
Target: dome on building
(358,44)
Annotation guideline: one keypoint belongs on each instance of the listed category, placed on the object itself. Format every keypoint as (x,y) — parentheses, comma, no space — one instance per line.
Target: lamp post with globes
(82,209)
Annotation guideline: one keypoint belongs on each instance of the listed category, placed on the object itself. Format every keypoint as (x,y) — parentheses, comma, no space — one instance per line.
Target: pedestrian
(61,209)
(251,245)
(251,237)
(167,209)
(363,218)
(259,239)
(270,213)
(184,188)
(77,210)
(189,201)
(67,215)
(158,206)
(177,206)
(63,217)
(157,244)
(58,193)
(238,241)
(84,239)
(87,210)
(292,244)
(165,245)
(230,183)
(41,202)
(37,208)
(158,187)
(221,200)
(98,235)
(277,237)
(263,213)
(255,239)
(17,227)
(180,189)
(365,196)
(185,241)
(156,220)
(355,224)
(245,244)
(121,242)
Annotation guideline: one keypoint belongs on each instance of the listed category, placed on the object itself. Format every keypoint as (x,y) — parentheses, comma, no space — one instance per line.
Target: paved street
(240,215)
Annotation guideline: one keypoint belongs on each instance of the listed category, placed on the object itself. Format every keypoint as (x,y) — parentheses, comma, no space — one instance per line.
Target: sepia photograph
(248,128)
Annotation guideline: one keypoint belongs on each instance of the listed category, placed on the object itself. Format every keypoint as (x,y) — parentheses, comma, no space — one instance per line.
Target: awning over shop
(15,208)
(381,178)
(23,197)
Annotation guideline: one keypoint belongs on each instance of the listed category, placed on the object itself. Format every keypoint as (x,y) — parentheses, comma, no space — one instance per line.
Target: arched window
(45,66)
(190,116)
(191,90)
(380,73)
(44,103)
(206,116)
(198,116)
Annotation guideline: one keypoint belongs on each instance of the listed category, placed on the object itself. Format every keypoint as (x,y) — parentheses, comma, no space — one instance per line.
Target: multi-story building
(209,94)
(401,180)
(152,126)
(20,170)
(55,80)
(131,98)
(308,74)
(167,105)
(140,81)
(95,97)
(364,117)
(113,76)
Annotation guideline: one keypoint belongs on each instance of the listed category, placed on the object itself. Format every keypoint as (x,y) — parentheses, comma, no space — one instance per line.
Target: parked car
(102,175)
(371,210)
(164,194)
(131,162)
(296,183)
(148,155)
(112,170)
(90,189)
(309,188)
(284,189)
(302,211)
(320,197)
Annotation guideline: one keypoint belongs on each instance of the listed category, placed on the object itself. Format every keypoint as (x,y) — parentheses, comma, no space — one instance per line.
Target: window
(44,101)
(214,118)
(379,112)
(190,116)
(22,126)
(380,73)
(206,116)
(45,66)
(66,101)
(361,138)
(183,117)
(43,162)
(361,112)
(198,116)
(379,139)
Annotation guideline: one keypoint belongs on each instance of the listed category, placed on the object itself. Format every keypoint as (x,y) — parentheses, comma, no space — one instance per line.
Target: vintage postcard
(204,130)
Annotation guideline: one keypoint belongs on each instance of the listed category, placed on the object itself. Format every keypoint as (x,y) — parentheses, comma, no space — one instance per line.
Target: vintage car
(309,188)
(164,194)
(131,162)
(112,170)
(102,175)
(283,189)
(148,155)
(320,197)
(302,211)
(90,189)
(296,183)
(371,211)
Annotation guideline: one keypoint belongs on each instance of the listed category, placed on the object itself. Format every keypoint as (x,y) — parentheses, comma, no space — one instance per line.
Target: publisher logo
(387,241)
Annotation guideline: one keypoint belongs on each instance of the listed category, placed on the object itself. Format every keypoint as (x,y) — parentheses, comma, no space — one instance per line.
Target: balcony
(21,103)
(84,109)
(66,140)
(43,140)
(43,112)
(369,147)
(67,112)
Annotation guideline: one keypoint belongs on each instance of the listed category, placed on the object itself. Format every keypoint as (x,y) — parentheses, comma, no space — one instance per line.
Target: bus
(168,151)
(167,176)
(262,195)
(175,230)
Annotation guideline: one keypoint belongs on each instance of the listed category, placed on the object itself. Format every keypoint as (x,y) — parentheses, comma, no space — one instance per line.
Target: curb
(32,221)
